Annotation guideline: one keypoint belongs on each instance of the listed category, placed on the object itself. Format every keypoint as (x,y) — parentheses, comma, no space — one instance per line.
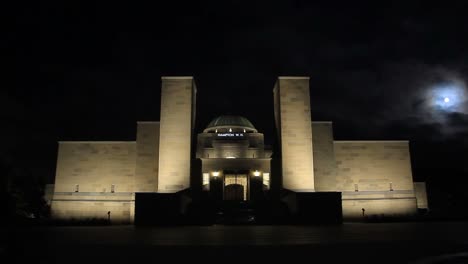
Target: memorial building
(229,162)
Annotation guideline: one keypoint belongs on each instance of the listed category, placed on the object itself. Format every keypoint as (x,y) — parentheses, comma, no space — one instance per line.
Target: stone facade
(230,145)
(378,207)
(375,176)
(121,211)
(324,157)
(251,146)
(94,178)
(177,115)
(95,167)
(373,166)
(292,114)
(100,179)
(147,157)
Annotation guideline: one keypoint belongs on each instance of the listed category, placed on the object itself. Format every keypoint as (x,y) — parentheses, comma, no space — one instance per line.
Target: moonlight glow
(447,97)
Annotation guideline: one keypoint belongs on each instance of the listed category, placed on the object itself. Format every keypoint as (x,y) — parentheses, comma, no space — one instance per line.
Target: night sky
(378,71)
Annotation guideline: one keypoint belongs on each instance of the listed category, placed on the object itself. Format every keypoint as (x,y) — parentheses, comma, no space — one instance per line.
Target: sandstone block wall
(210,165)
(324,157)
(293,121)
(352,208)
(93,178)
(147,157)
(373,165)
(376,176)
(95,166)
(251,146)
(177,114)
(121,211)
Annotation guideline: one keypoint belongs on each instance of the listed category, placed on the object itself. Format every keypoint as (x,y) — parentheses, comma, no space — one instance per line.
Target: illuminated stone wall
(373,165)
(324,157)
(86,172)
(293,120)
(95,166)
(230,149)
(93,178)
(381,207)
(376,176)
(421,195)
(177,105)
(86,209)
(251,146)
(210,165)
(147,157)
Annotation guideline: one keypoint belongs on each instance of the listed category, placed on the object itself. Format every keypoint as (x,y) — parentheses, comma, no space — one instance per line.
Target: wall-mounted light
(256,173)
(215,173)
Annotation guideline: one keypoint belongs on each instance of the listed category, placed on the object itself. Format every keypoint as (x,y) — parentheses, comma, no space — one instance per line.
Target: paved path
(354,243)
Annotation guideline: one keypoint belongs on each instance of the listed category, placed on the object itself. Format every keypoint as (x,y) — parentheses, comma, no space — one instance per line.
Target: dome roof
(230,121)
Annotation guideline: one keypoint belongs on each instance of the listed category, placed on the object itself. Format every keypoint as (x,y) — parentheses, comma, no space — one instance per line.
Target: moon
(447,97)
(443,100)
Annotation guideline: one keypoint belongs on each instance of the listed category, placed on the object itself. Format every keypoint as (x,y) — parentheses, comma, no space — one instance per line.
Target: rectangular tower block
(176,125)
(293,122)
(324,157)
(147,157)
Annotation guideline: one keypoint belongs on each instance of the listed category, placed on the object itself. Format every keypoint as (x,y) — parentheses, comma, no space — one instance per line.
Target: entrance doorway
(235,186)
(234,192)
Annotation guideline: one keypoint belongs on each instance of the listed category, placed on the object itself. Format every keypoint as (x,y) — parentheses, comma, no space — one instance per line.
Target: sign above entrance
(230,135)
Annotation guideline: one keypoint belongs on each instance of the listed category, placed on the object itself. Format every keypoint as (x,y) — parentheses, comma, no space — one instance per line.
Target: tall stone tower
(292,118)
(176,126)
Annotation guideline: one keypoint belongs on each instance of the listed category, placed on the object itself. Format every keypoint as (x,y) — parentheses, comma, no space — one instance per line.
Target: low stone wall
(393,207)
(84,210)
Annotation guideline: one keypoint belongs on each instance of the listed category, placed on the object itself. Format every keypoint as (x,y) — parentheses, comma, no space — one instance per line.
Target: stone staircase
(235,213)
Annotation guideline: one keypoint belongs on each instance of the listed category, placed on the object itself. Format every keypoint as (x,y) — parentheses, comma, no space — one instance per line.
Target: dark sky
(89,72)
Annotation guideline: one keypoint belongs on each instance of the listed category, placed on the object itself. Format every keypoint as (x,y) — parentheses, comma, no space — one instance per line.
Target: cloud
(436,95)
(407,93)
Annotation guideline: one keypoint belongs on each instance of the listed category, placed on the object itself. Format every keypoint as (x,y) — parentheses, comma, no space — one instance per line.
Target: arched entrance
(235,186)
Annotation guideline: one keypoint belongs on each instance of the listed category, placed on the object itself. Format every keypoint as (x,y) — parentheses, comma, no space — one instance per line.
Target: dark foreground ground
(432,242)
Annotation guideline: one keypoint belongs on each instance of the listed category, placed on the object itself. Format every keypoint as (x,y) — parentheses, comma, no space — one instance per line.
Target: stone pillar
(292,116)
(176,126)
